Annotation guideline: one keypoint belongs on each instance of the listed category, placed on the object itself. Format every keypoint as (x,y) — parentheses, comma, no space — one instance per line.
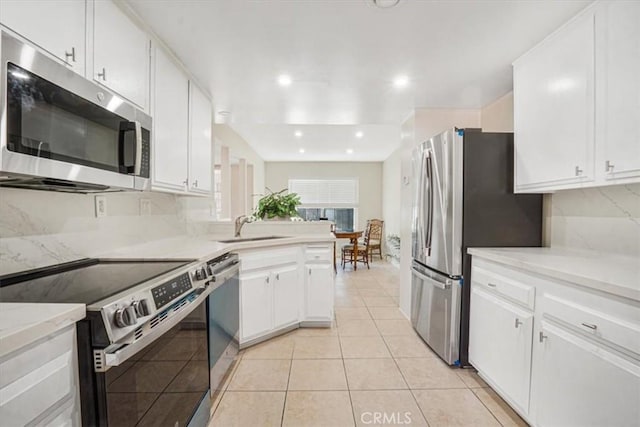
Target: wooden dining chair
(363,251)
(375,227)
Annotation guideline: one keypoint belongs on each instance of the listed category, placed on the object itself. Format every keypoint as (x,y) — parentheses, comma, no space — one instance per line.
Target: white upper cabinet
(577,103)
(554,109)
(121,54)
(618,90)
(200,153)
(170,125)
(57,27)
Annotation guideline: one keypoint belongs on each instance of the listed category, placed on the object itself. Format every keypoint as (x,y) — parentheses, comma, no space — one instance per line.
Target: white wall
(498,115)
(369,174)
(239,148)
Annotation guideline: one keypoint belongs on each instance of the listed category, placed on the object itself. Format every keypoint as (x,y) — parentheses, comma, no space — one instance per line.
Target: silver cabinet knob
(578,171)
(103,74)
(542,336)
(195,183)
(70,56)
(518,322)
(608,166)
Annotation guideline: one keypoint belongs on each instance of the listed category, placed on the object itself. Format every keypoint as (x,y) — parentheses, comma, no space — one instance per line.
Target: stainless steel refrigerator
(463,197)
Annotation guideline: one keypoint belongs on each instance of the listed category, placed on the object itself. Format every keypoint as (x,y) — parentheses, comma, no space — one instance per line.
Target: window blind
(330,192)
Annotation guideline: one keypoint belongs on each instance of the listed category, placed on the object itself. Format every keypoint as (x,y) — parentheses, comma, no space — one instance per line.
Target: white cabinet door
(500,338)
(319,291)
(121,54)
(618,84)
(255,304)
(200,154)
(56,26)
(581,384)
(171,125)
(554,109)
(286,300)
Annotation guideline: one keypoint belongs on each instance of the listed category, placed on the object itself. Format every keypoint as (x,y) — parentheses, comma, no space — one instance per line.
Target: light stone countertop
(24,323)
(612,273)
(205,247)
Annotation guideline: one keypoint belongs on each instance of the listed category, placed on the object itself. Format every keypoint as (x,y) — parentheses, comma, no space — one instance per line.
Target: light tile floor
(369,369)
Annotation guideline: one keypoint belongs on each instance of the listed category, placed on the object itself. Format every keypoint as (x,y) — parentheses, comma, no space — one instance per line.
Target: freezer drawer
(435,312)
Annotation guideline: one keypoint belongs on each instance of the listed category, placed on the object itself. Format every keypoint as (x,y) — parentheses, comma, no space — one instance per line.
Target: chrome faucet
(240,221)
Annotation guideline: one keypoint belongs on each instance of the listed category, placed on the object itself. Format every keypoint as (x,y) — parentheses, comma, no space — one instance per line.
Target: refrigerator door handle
(429,170)
(438,284)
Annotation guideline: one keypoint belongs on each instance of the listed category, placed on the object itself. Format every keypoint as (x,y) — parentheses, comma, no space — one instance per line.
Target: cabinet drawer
(604,326)
(34,380)
(267,259)
(316,253)
(505,284)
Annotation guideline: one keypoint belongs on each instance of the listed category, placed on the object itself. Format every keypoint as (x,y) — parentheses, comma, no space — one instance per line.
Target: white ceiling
(342,57)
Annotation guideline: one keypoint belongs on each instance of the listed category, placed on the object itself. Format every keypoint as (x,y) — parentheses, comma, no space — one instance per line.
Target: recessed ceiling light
(385,4)
(284,80)
(349,151)
(298,133)
(359,134)
(401,81)
(301,151)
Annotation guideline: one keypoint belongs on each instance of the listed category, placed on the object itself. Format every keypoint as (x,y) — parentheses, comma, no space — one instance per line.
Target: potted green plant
(277,205)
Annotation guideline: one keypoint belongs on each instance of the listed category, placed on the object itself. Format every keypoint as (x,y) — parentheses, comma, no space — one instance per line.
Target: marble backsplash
(604,218)
(39,228)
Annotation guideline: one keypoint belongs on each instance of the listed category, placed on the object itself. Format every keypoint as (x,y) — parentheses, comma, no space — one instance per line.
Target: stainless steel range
(158,337)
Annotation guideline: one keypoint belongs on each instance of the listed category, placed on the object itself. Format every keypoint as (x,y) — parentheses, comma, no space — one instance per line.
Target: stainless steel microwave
(60,131)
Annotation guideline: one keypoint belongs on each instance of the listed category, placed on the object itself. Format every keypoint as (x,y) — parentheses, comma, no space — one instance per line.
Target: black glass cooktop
(83,282)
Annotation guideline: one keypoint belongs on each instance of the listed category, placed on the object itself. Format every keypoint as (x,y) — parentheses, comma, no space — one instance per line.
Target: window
(332,199)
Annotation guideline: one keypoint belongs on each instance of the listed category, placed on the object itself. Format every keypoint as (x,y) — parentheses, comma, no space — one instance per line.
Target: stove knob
(125,317)
(141,308)
(201,274)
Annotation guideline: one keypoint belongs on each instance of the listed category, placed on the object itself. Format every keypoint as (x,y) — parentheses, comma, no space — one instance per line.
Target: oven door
(165,384)
(59,125)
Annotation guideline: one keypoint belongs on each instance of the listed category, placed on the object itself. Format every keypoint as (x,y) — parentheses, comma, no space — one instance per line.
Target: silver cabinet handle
(278,276)
(103,74)
(186,182)
(578,171)
(195,183)
(71,55)
(608,166)
(309,272)
(492,285)
(590,326)
(267,280)
(542,336)
(518,322)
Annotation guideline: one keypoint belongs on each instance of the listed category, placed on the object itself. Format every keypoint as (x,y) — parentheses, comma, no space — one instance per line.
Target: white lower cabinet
(286,287)
(255,297)
(281,288)
(580,383)
(500,344)
(319,291)
(569,359)
(39,385)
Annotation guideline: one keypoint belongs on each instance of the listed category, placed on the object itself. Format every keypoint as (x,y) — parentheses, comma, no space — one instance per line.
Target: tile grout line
(286,391)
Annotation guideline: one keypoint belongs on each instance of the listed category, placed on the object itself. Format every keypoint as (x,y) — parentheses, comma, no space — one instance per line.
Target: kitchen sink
(251,239)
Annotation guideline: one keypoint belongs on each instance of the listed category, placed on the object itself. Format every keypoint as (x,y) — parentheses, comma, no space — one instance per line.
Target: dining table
(353,236)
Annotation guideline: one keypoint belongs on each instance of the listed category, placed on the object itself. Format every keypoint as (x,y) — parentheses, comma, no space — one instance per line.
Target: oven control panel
(167,292)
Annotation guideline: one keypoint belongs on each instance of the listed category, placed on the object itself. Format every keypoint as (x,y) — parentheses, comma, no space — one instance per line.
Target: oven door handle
(105,359)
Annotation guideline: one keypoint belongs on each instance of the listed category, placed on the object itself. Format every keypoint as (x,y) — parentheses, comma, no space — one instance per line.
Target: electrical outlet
(145,207)
(101,206)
